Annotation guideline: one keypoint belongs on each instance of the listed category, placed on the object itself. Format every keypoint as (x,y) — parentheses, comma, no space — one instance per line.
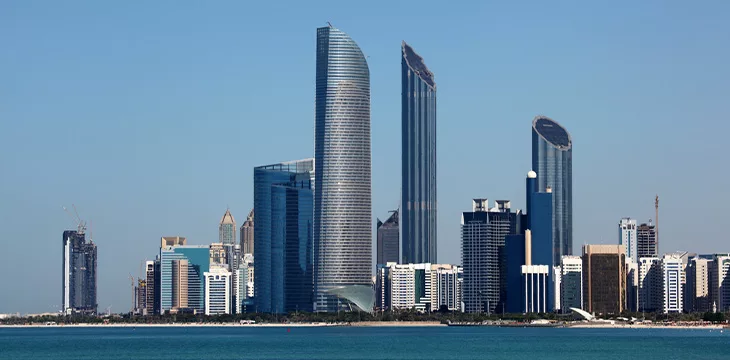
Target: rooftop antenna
(330,25)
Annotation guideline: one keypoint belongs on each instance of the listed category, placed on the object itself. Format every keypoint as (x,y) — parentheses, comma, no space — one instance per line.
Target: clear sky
(150,116)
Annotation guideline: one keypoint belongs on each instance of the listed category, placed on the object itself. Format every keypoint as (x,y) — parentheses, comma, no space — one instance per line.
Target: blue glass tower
(418,195)
(342,197)
(269,230)
(552,160)
(198,257)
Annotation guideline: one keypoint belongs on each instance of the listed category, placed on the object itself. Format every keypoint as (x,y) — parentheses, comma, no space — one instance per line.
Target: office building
(292,265)
(227,229)
(628,238)
(342,209)
(180,289)
(673,272)
(418,158)
(247,233)
(651,284)
(632,285)
(248,264)
(217,291)
(540,224)
(571,283)
(646,241)
(483,232)
(382,286)
(604,279)
(388,249)
(269,250)
(552,160)
(152,273)
(535,282)
(720,283)
(78,273)
(697,294)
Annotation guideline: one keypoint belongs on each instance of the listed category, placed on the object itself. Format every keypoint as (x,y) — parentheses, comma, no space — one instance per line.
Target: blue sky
(150,117)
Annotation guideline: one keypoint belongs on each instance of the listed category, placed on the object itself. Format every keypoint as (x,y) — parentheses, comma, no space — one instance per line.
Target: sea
(402,343)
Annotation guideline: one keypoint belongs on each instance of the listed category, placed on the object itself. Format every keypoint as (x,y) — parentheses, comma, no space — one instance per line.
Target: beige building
(179,284)
(173,241)
(604,284)
(247,234)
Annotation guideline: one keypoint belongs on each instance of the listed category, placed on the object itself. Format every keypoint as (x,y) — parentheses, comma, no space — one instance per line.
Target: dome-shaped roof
(532,175)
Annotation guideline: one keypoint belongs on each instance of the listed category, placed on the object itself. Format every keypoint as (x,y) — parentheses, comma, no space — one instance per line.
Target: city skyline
(189,204)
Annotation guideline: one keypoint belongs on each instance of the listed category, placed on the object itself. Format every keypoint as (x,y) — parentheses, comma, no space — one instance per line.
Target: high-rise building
(720,283)
(632,285)
(78,273)
(217,290)
(697,294)
(448,287)
(247,232)
(673,272)
(197,258)
(248,263)
(342,200)
(292,266)
(152,305)
(651,284)
(646,241)
(218,254)
(227,229)
(571,283)
(552,160)
(627,237)
(483,232)
(424,287)
(388,249)
(418,159)
(382,286)
(271,224)
(604,279)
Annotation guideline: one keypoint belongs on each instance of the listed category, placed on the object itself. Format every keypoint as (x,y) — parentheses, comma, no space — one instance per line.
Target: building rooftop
(552,132)
(415,62)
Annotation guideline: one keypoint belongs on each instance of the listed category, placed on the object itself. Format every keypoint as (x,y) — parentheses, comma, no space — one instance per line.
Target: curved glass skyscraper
(342,202)
(418,192)
(552,160)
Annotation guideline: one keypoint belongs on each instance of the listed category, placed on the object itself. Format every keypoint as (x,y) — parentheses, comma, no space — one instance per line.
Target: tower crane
(80,224)
(134,293)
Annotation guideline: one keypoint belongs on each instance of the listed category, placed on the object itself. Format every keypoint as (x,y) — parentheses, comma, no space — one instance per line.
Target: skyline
(163,190)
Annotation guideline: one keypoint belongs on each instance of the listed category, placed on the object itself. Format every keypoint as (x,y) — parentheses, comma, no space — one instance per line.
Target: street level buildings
(604,282)
(342,198)
(552,160)
(418,192)
(388,247)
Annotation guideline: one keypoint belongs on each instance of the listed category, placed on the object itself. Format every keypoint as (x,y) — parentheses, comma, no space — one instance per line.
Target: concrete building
(446,287)
(227,229)
(388,248)
(720,282)
(180,284)
(627,237)
(673,272)
(632,285)
(646,241)
(651,284)
(571,283)
(697,294)
(78,274)
(247,234)
(604,279)
(152,280)
(173,241)
(535,281)
(217,291)
(424,287)
(483,233)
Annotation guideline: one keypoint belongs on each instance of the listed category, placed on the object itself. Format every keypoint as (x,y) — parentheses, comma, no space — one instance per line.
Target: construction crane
(134,293)
(80,224)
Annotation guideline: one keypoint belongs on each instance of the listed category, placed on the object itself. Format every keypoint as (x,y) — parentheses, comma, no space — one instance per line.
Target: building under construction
(79,273)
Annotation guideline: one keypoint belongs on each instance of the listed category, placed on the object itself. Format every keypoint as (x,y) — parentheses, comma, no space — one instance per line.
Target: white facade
(651,284)
(534,280)
(721,282)
(571,283)
(673,270)
(557,279)
(402,286)
(448,281)
(217,291)
(423,286)
(627,237)
(248,264)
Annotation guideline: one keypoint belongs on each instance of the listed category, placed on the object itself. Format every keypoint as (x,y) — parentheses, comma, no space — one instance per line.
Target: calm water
(362,343)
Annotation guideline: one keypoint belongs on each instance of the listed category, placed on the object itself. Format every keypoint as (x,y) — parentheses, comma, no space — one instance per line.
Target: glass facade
(269,230)
(227,229)
(198,257)
(388,249)
(78,273)
(418,196)
(342,199)
(552,160)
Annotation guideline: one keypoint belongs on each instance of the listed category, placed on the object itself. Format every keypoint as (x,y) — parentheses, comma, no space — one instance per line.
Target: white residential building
(571,283)
(424,287)
(627,233)
(672,270)
(402,286)
(651,284)
(720,282)
(217,291)
(448,281)
(697,294)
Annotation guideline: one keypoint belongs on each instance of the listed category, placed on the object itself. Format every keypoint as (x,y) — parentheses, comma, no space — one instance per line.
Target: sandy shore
(397,323)
(640,326)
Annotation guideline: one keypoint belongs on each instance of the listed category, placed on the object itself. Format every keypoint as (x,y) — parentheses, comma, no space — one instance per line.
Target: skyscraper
(197,260)
(270,229)
(247,234)
(651,282)
(646,241)
(604,279)
(483,233)
(217,291)
(388,248)
(418,162)
(627,237)
(342,199)
(552,159)
(227,229)
(571,283)
(78,273)
(152,269)
(697,294)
